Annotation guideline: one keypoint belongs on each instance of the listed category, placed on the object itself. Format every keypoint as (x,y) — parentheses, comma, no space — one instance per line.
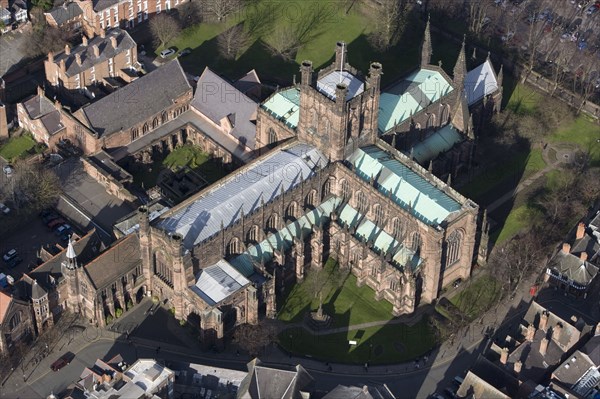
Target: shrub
(129,304)
(155,299)
(118,312)
(172,310)
(182,322)
(109,319)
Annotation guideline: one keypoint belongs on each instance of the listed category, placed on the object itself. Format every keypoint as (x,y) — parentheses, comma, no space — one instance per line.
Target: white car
(167,52)
(4,209)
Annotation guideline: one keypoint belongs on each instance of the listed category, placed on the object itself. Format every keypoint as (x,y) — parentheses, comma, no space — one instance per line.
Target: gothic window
(14,321)
(415,243)
(162,269)
(253,234)
(83,289)
(165,117)
(398,229)
(233,248)
(378,214)
(453,247)
(373,271)
(346,193)
(273,223)
(430,121)
(394,285)
(134,133)
(311,199)
(145,128)
(272,136)
(155,123)
(445,114)
(361,202)
(315,120)
(327,188)
(291,212)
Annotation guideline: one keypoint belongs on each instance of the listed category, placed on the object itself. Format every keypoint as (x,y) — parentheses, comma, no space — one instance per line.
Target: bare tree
(164,28)
(221,9)
(285,42)
(387,19)
(477,12)
(31,187)
(44,38)
(232,41)
(254,338)
(587,78)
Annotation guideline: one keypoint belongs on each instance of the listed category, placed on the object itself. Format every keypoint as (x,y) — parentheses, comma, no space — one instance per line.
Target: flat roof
(327,84)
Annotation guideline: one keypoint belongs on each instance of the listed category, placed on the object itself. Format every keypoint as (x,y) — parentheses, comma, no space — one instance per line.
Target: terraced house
(315,181)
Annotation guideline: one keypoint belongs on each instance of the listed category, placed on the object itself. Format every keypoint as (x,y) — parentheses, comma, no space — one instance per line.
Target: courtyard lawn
(391,343)
(477,296)
(187,155)
(343,300)
(582,132)
(17,147)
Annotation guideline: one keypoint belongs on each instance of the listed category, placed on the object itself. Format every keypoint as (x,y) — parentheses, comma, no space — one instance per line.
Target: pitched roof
(580,271)
(440,141)
(268,383)
(592,349)
(100,5)
(327,84)
(480,82)
(86,53)
(247,82)
(121,257)
(406,187)
(219,281)
(573,368)
(52,122)
(38,106)
(284,106)
(139,100)
(5,301)
(410,96)
(488,380)
(222,204)
(218,99)
(65,12)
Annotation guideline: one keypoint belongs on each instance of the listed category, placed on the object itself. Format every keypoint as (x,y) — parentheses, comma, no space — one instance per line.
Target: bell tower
(69,269)
(338,107)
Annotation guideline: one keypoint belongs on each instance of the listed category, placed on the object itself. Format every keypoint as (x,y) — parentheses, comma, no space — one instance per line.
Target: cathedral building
(316,181)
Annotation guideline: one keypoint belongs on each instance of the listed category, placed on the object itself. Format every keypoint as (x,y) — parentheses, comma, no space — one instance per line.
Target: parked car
(62,361)
(62,229)
(55,223)
(167,52)
(4,209)
(184,52)
(14,262)
(9,255)
(592,9)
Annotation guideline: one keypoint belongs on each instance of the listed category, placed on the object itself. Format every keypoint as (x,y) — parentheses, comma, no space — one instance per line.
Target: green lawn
(392,343)
(17,147)
(343,300)
(582,132)
(478,296)
(518,219)
(524,100)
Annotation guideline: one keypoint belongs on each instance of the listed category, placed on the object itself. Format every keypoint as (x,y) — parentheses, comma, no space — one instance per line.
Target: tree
(477,12)
(189,13)
(31,187)
(44,38)
(164,28)
(221,9)
(254,338)
(285,42)
(535,34)
(232,41)
(388,19)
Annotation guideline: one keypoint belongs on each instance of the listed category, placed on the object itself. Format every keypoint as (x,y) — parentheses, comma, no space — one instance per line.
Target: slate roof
(592,349)
(570,333)
(139,100)
(284,106)
(122,256)
(406,187)
(247,82)
(327,84)
(218,99)
(572,369)
(370,391)
(29,288)
(219,281)
(480,82)
(100,5)
(52,122)
(38,106)
(488,380)
(535,365)
(222,204)
(410,96)
(572,267)
(440,141)
(268,383)
(65,12)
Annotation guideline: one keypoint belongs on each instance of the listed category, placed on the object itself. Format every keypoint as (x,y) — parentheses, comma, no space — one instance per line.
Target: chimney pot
(78,58)
(102,34)
(583,256)
(556,331)
(544,321)
(113,41)
(84,40)
(580,231)
(544,346)
(530,332)
(67,49)
(96,51)
(566,248)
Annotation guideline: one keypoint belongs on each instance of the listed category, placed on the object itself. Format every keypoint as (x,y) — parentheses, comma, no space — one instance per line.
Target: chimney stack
(583,256)
(530,332)
(306,71)
(78,58)
(67,49)
(544,346)
(556,331)
(102,33)
(96,51)
(544,321)
(504,355)
(580,231)
(84,40)
(566,248)
(50,56)
(62,65)
(113,41)
(518,366)
(341,49)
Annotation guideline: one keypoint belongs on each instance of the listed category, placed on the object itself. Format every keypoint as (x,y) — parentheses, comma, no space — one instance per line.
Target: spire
(426,49)
(71,251)
(460,68)
(430,168)
(394,141)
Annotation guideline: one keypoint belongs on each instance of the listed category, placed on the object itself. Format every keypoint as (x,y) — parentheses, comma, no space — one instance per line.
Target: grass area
(342,299)
(478,296)
(17,147)
(187,155)
(392,343)
(518,219)
(582,132)
(524,100)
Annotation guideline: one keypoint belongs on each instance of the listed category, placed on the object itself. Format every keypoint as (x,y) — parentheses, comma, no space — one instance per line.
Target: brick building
(67,16)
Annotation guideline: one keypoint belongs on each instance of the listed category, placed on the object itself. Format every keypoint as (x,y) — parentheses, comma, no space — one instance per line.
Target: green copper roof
(285,106)
(404,186)
(410,96)
(440,141)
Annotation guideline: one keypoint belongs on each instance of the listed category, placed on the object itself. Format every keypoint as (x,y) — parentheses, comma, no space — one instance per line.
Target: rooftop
(219,281)
(65,12)
(222,204)
(327,84)
(5,301)
(440,141)
(123,256)
(573,267)
(417,91)
(38,106)
(148,374)
(285,106)
(268,383)
(413,192)
(480,82)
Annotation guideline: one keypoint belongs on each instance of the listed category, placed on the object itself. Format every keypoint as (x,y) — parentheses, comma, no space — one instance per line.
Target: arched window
(326,126)
(272,136)
(253,234)
(445,115)
(398,229)
(361,202)
(233,248)
(155,123)
(145,128)
(373,271)
(453,247)
(430,121)
(345,188)
(378,215)
(327,188)
(273,223)
(291,213)
(165,117)
(134,133)
(14,321)
(394,285)
(311,199)
(415,242)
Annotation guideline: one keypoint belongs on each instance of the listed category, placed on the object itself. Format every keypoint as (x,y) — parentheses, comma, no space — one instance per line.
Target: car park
(9,255)
(167,52)
(62,361)
(4,209)
(14,262)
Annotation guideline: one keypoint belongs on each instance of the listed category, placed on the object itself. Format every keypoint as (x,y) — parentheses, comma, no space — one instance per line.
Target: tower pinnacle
(426,49)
